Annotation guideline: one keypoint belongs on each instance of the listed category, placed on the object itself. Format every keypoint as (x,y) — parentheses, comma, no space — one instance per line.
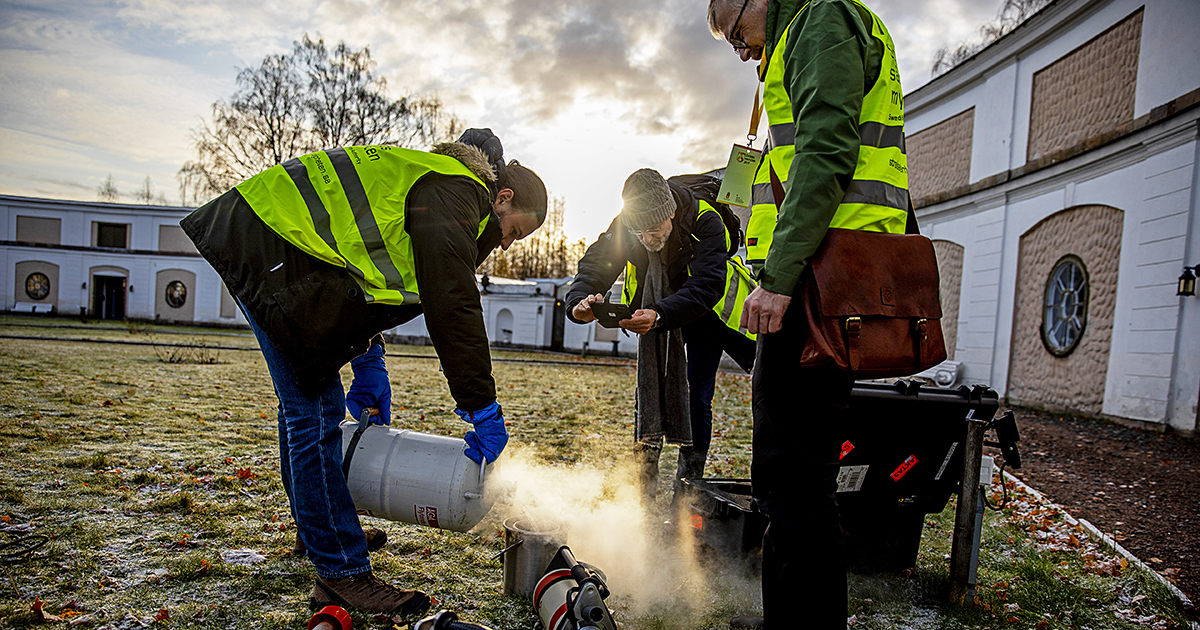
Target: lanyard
(755,117)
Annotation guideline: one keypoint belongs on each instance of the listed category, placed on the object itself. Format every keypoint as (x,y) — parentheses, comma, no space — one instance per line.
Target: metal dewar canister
(403,475)
(528,548)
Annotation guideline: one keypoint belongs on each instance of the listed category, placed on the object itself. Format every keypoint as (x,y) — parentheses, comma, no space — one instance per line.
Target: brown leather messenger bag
(871,302)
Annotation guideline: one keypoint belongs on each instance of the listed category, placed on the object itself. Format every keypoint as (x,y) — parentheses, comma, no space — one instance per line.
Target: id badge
(738,182)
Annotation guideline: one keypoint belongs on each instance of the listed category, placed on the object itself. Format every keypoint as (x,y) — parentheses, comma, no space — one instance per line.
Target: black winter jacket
(695,242)
(317,315)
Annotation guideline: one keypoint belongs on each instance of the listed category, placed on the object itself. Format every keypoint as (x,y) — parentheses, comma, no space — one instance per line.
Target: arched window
(176,294)
(1064,312)
(37,286)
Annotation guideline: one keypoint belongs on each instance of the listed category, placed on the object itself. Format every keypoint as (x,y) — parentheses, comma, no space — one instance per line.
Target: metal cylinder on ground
(529,546)
(571,594)
(412,477)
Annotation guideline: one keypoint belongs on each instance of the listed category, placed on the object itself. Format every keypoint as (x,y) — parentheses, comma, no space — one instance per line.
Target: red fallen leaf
(1043,624)
(162,615)
(40,615)
(6,519)
(205,565)
(262,415)
(425,553)
(1011,619)
(228,460)
(245,473)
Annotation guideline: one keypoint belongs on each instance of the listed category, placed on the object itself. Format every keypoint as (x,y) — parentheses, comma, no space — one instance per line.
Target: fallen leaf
(40,615)
(162,615)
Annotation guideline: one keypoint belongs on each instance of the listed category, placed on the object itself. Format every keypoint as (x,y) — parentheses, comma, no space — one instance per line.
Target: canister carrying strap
(363,422)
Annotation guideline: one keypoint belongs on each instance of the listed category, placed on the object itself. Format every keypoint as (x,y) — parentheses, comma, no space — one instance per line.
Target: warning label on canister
(846,448)
(850,478)
(697,521)
(904,468)
(426,515)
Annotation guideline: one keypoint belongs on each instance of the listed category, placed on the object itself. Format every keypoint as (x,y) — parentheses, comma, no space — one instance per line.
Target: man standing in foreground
(686,290)
(325,251)
(832,93)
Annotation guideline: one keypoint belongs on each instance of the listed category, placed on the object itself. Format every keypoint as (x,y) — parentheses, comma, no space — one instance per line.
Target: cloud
(590,88)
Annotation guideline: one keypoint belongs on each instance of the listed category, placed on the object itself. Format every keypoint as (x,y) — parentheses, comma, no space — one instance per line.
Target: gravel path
(1141,487)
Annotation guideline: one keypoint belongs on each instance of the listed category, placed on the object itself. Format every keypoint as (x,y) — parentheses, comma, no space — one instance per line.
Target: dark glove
(370,387)
(491,147)
(489,437)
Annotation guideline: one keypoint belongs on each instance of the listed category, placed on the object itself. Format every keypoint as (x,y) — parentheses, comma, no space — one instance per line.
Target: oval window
(176,294)
(1064,314)
(37,286)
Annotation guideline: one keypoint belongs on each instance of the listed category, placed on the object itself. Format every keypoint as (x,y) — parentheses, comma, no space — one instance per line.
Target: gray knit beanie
(648,200)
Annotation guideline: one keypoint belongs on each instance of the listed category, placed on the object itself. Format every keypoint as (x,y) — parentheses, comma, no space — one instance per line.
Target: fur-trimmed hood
(471,157)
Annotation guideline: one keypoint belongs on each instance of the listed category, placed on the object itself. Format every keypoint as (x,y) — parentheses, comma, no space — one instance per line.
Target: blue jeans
(310,462)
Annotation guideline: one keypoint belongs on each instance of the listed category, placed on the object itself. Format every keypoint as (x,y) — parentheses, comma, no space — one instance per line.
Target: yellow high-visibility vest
(877,198)
(345,206)
(739,282)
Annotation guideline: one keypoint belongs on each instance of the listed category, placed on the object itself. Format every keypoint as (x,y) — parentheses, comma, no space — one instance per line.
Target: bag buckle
(923,328)
(853,326)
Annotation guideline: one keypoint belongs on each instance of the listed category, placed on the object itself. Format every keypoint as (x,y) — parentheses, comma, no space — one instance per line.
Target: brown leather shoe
(367,593)
(376,539)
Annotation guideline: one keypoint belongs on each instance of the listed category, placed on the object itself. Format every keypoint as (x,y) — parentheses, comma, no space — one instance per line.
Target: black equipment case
(901,459)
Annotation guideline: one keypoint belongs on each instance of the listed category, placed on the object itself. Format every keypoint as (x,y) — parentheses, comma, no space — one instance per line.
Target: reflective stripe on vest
(345,207)
(739,282)
(877,198)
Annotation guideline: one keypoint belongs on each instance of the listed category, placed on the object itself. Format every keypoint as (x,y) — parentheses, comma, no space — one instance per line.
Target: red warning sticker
(697,521)
(904,468)
(846,448)
(426,515)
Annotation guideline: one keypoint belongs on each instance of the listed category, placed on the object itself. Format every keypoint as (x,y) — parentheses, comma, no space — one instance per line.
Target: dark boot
(691,463)
(690,466)
(367,593)
(376,539)
(646,458)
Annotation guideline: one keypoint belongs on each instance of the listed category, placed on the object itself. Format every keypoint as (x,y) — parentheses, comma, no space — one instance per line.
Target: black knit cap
(648,200)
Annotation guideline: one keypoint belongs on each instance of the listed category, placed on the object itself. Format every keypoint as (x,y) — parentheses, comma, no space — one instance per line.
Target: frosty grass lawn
(145,465)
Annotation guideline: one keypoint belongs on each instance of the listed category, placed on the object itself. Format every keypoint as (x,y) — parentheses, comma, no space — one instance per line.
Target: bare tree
(1012,14)
(300,102)
(547,253)
(107,191)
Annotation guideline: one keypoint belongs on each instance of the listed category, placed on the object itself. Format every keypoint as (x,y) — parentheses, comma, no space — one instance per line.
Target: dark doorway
(108,297)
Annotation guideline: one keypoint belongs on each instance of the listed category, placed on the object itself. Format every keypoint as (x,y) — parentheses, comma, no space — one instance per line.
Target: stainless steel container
(528,549)
(418,478)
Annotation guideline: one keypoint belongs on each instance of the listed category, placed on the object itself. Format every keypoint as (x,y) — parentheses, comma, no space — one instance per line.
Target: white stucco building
(1057,173)
(114,260)
(118,261)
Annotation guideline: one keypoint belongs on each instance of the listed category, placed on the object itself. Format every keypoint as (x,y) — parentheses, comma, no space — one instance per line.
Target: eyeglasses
(734,33)
(653,232)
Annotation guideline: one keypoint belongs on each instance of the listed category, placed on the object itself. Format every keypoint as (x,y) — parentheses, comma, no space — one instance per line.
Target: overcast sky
(582,91)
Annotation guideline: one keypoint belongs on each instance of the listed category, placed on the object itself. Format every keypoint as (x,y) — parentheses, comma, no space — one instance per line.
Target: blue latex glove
(370,387)
(489,437)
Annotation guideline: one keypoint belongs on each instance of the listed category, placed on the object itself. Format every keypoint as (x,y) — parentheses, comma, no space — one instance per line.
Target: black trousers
(794,473)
